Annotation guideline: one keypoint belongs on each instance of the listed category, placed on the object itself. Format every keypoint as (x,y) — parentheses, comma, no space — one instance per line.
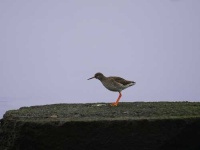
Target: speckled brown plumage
(116,84)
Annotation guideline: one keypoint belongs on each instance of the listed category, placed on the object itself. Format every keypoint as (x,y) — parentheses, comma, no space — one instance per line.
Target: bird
(113,83)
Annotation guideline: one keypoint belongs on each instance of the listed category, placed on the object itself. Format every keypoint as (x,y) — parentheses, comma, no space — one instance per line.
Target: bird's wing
(121,80)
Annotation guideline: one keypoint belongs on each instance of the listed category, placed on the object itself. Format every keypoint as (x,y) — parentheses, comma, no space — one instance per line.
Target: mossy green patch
(138,126)
(102,111)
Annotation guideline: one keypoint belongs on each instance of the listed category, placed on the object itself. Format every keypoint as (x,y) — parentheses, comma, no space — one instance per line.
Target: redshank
(116,84)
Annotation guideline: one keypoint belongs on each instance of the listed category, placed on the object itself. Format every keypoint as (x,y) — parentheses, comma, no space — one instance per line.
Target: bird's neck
(103,78)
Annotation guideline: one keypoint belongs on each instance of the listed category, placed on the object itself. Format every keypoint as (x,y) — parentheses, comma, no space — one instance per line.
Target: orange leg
(117,101)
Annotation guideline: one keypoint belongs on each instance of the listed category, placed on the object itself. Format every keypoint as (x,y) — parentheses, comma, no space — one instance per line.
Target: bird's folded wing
(121,80)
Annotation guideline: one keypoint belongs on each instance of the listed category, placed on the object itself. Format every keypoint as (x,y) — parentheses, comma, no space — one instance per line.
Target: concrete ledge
(138,126)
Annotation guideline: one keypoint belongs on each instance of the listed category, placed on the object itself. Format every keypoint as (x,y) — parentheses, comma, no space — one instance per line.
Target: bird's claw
(114,104)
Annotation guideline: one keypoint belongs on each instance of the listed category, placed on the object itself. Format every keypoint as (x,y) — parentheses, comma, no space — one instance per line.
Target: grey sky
(48,49)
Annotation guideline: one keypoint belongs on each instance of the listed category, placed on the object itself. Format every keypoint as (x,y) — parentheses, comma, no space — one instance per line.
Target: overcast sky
(48,49)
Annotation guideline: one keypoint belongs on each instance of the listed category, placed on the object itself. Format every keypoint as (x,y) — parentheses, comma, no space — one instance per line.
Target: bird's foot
(114,104)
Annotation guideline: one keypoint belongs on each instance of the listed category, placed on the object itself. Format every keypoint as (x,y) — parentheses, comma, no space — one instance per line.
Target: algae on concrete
(138,125)
(103,111)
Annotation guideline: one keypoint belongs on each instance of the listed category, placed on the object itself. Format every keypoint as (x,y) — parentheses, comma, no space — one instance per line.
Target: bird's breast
(112,86)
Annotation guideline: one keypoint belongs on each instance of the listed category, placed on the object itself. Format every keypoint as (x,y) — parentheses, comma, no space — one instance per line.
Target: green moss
(79,112)
(139,125)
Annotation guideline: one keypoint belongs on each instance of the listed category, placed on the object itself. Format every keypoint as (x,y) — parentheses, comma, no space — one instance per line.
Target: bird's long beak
(91,78)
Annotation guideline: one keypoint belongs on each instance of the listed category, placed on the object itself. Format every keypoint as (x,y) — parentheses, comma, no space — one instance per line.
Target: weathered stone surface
(138,126)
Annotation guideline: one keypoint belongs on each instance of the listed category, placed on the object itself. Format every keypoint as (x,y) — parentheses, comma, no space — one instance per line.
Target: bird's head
(98,75)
